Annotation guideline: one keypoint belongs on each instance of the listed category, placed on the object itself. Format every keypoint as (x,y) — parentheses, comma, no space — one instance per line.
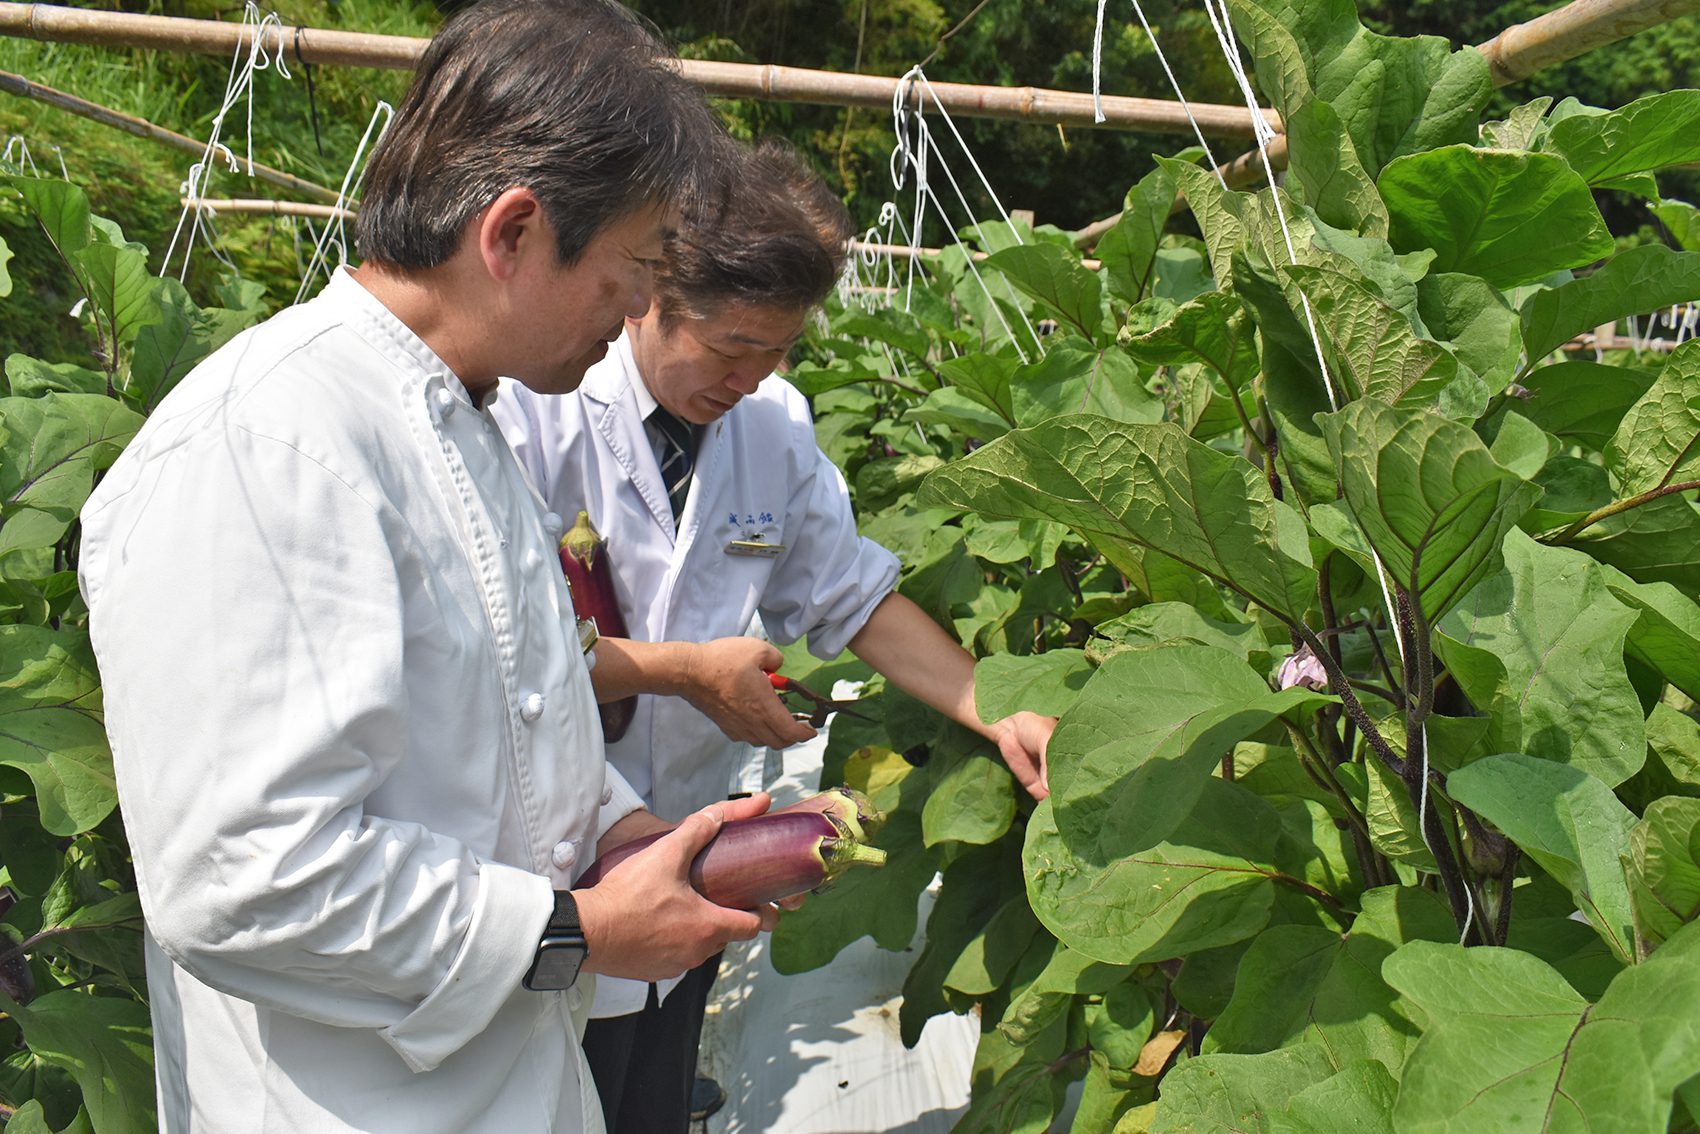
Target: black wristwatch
(561,953)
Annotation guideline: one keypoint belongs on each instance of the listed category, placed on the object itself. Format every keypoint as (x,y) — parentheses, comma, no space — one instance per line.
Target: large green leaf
(1237,1094)
(50,726)
(1567,821)
(1131,757)
(1124,486)
(1429,496)
(52,448)
(61,208)
(1506,216)
(1510,1046)
(1048,683)
(1683,222)
(1393,95)
(1323,160)
(1630,283)
(1128,251)
(985,962)
(1664,871)
(1666,635)
(31,377)
(1472,315)
(1372,349)
(1541,645)
(1210,885)
(1356,1100)
(1582,401)
(973,803)
(1163,623)
(1649,134)
(121,287)
(104,1043)
(1653,543)
(974,886)
(1055,278)
(1072,380)
(985,378)
(183,335)
(1302,984)
(5,276)
(1658,443)
(1212,329)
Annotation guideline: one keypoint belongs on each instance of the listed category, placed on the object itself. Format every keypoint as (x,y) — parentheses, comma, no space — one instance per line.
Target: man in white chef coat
(357,749)
(699,465)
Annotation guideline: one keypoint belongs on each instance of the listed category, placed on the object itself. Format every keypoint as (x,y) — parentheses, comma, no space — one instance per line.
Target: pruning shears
(823,706)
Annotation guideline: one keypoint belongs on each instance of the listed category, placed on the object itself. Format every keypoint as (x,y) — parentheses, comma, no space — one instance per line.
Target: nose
(642,294)
(744,379)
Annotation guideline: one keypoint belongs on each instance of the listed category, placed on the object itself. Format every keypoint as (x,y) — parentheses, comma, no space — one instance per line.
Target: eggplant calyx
(582,540)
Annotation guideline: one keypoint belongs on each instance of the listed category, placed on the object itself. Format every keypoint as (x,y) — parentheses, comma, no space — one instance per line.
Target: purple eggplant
(752,862)
(846,804)
(585,564)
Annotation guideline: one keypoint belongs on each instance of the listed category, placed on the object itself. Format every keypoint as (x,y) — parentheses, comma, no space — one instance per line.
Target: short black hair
(576,100)
(775,235)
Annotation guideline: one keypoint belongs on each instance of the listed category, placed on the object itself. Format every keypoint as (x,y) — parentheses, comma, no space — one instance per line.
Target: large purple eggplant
(752,862)
(585,563)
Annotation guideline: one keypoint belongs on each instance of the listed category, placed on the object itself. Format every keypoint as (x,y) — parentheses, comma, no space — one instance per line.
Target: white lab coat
(759,476)
(355,740)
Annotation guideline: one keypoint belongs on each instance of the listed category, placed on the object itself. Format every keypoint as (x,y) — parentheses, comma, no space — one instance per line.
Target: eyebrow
(747,340)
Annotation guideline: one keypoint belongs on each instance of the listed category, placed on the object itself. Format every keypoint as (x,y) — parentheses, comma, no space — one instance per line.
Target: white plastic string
(16,145)
(1174,83)
(237,85)
(333,234)
(1098,64)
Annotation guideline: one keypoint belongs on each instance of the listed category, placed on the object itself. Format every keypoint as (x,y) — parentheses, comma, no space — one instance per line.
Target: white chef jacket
(355,740)
(759,477)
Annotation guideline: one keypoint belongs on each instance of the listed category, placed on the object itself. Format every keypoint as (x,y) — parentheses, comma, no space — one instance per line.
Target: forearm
(625,667)
(915,654)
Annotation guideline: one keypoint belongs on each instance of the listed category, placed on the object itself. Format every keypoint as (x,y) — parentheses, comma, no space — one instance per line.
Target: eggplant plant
(75,1049)
(1368,605)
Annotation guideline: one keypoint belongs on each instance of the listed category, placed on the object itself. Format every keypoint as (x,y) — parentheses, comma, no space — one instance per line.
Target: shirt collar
(367,316)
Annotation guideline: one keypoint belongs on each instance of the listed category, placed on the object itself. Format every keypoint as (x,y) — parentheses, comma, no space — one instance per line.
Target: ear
(510,229)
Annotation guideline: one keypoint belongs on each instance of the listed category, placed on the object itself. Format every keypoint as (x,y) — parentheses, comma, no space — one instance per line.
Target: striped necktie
(676,451)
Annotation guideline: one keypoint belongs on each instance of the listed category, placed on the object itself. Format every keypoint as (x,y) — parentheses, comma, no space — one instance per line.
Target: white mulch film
(819,1052)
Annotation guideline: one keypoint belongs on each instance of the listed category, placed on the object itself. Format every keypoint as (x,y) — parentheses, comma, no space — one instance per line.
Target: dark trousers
(644,1063)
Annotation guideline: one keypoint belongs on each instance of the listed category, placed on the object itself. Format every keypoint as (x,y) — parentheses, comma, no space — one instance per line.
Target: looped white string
(1098,64)
(16,145)
(333,234)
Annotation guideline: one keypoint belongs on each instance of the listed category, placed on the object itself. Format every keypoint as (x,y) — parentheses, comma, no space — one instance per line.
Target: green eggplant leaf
(1428,495)
(1238,1094)
(1211,884)
(1131,757)
(1652,543)
(1372,350)
(61,208)
(105,1045)
(1055,278)
(121,288)
(1568,822)
(1323,160)
(54,446)
(1664,871)
(1509,1045)
(1128,252)
(1212,329)
(1508,217)
(1119,1025)
(1358,1099)
(184,334)
(973,803)
(31,377)
(1124,486)
(1666,635)
(5,276)
(1072,380)
(1473,316)
(1582,401)
(973,887)
(1303,984)
(984,378)
(1682,221)
(985,962)
(1658,442)
(1541,645)
(1649,134)
(1164,623)
(1047,683)
(1630,283)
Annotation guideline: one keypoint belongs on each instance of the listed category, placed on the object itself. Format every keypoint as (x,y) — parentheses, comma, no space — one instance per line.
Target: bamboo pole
(1513,55)
(269,207)
(18,85)
(730,80)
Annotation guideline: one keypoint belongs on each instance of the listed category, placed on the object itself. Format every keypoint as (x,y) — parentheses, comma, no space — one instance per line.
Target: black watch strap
(561,953)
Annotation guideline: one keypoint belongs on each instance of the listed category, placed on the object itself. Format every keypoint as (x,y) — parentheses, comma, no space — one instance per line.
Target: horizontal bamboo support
(94,112)
(732,80)
(268,207)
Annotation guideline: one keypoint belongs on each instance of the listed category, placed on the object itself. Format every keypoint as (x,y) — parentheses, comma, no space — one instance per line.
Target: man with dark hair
(356,743)
(700,468)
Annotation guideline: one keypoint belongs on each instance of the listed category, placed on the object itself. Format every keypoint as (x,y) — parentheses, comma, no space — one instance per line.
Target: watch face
(558,962)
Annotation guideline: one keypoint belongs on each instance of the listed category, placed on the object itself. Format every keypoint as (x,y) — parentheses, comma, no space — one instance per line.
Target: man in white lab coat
(756,521)
(356,744)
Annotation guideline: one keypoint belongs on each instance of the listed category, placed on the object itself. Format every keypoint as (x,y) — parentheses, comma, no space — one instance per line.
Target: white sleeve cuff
(512,910)
(620,800)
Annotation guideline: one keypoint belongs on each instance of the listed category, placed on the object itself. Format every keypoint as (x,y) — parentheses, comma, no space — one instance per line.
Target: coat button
(531,707)
(445,400)
(554,525)
(533,559)
(564,855)
(607,793)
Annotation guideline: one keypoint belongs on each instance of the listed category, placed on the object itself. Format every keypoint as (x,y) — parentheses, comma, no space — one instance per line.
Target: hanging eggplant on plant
(767,858)
(585,563)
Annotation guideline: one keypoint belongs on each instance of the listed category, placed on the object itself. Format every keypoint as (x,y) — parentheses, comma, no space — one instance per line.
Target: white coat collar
(366,314)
